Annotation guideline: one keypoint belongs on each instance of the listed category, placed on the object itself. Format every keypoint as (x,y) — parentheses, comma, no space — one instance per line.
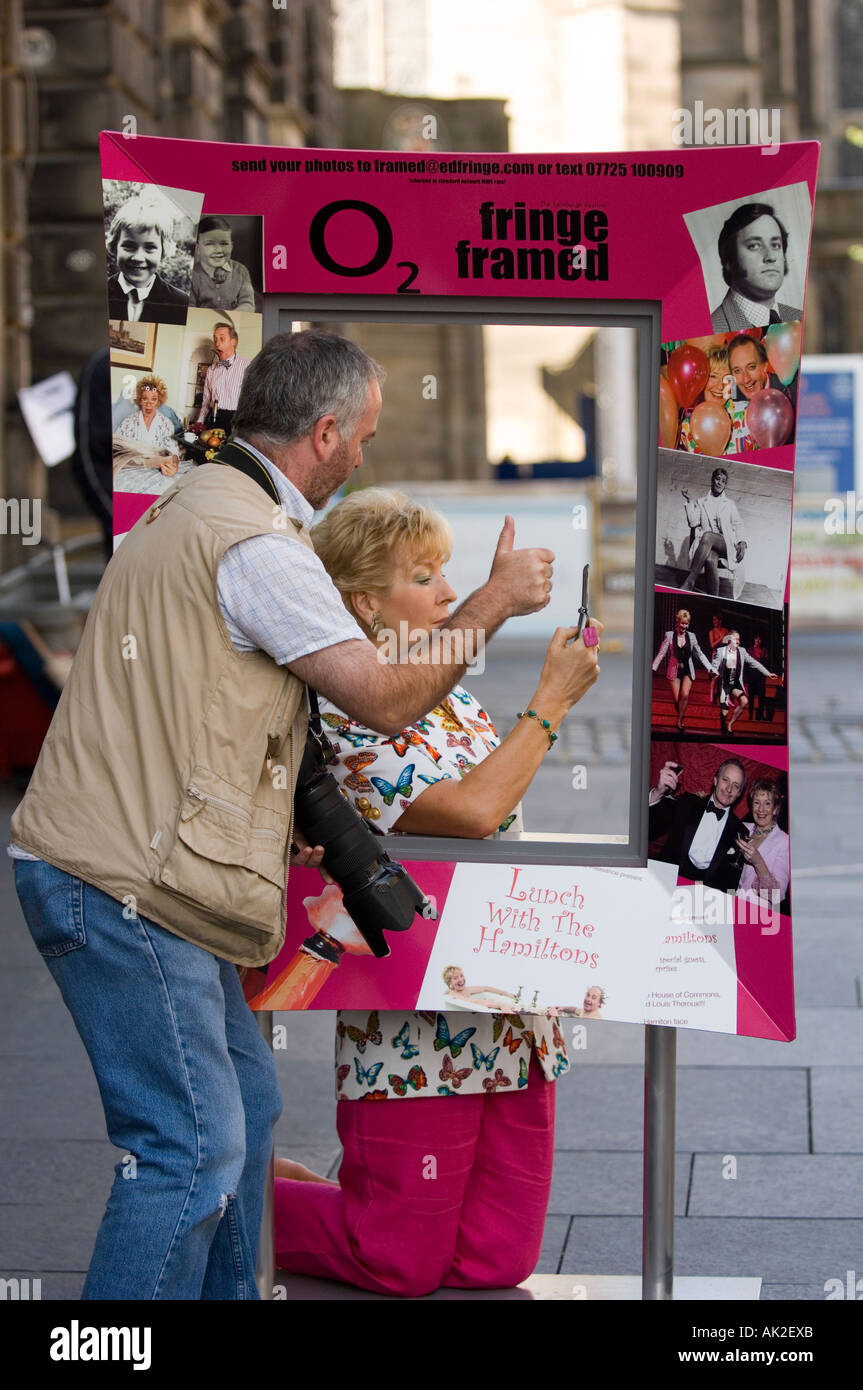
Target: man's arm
(691,509)
(387,697)
(750,660)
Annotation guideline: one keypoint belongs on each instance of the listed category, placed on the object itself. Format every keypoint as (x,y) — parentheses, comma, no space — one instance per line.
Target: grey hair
(298,377)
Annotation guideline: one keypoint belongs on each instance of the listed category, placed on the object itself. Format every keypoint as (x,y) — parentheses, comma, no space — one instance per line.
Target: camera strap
(235,456)
(314,712)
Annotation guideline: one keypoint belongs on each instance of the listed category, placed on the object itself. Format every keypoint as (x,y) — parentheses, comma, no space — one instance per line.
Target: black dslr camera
(379,894)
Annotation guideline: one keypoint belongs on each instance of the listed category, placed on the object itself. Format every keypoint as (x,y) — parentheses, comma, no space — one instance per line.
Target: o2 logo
(383,251)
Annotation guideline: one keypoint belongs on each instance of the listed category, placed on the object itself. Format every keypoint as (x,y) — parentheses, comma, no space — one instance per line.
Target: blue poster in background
(830,424)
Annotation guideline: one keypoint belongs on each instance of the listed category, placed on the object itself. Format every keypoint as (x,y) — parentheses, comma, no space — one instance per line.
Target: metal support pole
(657,1251)
(265,1272)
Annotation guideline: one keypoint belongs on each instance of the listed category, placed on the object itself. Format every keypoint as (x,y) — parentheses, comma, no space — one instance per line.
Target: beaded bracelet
(532,714)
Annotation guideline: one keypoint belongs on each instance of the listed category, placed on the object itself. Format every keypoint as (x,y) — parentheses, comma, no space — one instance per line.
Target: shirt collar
(756,312)
(141,291)
(293,501)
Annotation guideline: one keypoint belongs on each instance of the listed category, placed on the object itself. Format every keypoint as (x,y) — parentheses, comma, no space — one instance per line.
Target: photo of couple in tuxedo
(721,819)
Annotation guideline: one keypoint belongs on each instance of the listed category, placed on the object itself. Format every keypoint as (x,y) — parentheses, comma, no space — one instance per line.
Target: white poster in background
(47,407)
(560,518)
(546,935)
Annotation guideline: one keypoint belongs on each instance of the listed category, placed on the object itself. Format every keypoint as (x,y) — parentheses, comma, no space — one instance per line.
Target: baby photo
(227,269)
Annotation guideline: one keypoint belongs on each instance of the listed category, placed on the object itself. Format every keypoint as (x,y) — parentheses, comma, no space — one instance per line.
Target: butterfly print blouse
(387,1056)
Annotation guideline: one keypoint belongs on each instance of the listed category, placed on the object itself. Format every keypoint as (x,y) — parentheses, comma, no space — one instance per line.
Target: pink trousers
(432,1191)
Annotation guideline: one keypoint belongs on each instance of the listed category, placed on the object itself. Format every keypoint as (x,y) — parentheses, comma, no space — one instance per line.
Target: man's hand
(666,782)
(306,856)
(522,577)
(741,550)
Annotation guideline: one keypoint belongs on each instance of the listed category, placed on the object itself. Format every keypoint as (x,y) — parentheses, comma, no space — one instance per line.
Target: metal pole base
(657,1262)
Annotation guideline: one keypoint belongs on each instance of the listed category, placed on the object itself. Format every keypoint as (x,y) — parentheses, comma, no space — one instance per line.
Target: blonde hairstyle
(718,356)
(451,971)
(147,212)
(683,613)
(151,383)
(359,540)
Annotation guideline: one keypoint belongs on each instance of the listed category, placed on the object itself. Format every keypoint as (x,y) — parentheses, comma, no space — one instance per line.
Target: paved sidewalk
(790,1115)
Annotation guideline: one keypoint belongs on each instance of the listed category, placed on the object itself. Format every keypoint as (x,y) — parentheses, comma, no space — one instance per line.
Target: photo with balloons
(730,393)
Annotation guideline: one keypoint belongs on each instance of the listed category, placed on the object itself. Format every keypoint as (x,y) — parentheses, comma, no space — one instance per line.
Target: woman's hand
(169,465)
(568,672)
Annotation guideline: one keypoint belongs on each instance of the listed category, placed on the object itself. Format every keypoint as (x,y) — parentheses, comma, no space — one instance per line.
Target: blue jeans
(189,1089)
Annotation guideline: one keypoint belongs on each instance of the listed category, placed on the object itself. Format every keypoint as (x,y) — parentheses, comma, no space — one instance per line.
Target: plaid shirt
(222,384)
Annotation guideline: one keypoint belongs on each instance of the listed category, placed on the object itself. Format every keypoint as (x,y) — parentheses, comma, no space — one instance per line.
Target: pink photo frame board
(378,232)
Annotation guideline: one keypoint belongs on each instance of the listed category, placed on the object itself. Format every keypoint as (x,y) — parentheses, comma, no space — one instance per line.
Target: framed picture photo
(624,882)
(132,344)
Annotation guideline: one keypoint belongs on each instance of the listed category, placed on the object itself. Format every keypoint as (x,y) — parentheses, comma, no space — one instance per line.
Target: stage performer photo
(680,648)
(477,1089)
(701,832)
(729,664)
(152,846)
(717,536)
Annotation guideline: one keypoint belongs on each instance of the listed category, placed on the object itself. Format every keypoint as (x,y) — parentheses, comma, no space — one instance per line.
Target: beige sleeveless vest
(153,783)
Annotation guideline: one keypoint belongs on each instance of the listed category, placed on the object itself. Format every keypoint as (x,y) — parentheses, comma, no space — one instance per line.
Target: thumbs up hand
(523,577)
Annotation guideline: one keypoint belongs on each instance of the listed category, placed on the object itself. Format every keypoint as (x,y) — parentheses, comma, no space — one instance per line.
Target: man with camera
(152,846)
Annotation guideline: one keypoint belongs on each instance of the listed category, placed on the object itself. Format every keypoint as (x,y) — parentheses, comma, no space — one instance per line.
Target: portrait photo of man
(753,246)
(753,257)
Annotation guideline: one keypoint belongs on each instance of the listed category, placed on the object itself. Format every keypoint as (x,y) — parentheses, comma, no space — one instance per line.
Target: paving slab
(49,1235)
(553,1241)
(308,1117)
(39,1170)
(54,1097)
(38,1024)
(309,1035)
(608,1184)
(793,1293)
(837,1110)
(756,1109)
(825,1037)
(796,1185)
(780,1251)
(27,982)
